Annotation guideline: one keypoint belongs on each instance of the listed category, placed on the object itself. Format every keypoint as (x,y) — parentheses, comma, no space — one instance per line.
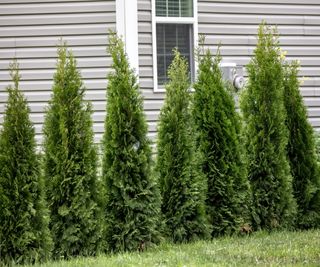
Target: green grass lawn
(263,249)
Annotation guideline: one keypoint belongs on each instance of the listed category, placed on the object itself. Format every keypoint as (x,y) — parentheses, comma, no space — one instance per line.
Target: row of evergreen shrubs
(216,172)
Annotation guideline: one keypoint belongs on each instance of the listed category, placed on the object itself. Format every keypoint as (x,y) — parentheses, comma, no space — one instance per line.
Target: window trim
(127,29)
(171,20)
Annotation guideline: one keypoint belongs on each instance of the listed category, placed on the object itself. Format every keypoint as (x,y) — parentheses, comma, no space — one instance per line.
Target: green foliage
(317,145)
(181,182)
(24,232)
(132,195)
(228,198)
(70,165)
(264,114)
(301,152)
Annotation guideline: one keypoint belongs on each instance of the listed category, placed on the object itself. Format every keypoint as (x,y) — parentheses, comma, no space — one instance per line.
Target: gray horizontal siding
(30,30)
(234,23)
(274,2)
(51,41)
(152,101)
(46,1)
(262,7)
(52,7)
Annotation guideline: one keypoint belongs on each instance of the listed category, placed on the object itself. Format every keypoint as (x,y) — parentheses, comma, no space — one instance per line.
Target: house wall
(152,101)
(234,23)
(30,30)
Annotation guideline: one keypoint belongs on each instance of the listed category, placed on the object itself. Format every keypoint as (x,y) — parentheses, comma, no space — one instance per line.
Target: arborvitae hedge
(267,135)
(133,197)
(70,165)
(24,233)
(218,124)
(317,145)
(181,182)
(301,152)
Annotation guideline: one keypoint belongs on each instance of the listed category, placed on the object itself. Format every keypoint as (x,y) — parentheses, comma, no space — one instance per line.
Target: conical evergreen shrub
(264,114)
(24,232)
(301,152)
(218,124)
(132,195)
(181,182)
(317,145)
(70,165)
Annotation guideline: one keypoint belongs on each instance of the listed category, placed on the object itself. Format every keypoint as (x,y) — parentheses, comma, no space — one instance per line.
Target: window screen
(170,36)
(174,8)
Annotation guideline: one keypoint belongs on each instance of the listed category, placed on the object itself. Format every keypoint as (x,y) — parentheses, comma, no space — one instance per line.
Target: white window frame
(127,29)
(171,20)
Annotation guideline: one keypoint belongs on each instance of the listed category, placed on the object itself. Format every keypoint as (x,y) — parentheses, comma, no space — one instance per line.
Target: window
(174,8)
(170,36)
(174,25)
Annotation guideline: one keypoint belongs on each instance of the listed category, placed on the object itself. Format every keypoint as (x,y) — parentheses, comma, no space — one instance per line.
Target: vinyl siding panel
(234,23)
(31,29)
